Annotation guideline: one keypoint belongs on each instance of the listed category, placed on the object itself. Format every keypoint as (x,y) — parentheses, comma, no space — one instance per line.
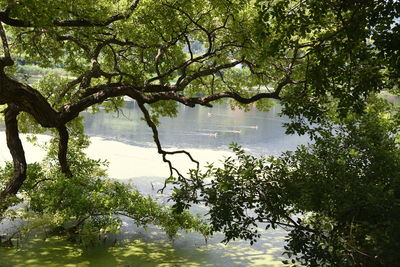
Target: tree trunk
(17,152)
(63,149)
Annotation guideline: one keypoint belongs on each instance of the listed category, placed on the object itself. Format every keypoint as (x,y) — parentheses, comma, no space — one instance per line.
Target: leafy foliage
(344,52)
(322,59)
(338,197)
(88,205)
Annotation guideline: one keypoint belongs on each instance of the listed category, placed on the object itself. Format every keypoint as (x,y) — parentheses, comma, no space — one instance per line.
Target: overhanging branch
(5,18)
(160,150)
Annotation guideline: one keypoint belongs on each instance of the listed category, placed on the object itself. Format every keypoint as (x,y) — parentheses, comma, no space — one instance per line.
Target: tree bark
(63,149)
(17,152)
(28,100)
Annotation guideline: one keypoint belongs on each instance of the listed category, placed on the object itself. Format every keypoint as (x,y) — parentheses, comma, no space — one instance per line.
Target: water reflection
(200,127)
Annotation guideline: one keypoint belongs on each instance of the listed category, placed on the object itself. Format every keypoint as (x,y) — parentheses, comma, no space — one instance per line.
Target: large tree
(313,56)
(144,50)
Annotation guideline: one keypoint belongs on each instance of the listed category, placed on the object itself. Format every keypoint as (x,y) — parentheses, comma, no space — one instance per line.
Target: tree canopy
(321,59)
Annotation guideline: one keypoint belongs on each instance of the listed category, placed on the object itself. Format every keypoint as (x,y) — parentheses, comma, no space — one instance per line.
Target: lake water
(201,127)
(206,133)
(126,142)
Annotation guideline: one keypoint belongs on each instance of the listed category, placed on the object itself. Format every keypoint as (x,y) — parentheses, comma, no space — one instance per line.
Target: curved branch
(94,95)
(209,34)
(71,38)
(156,139)
(5,18)
(206,101)
(28,100)
(17,152)
(208,71)
(69,86)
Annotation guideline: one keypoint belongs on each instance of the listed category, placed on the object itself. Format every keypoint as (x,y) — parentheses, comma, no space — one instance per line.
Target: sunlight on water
(136,246)
(135,160)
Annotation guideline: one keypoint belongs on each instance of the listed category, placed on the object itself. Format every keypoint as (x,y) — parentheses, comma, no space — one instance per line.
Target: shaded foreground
(136,246)
(141,252)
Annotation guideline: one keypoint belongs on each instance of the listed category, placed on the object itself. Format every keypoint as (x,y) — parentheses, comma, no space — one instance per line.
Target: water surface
(126,142)
(200,127)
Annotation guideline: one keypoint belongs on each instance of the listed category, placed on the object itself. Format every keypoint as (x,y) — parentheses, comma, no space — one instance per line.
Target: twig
(6,60)
(161,151)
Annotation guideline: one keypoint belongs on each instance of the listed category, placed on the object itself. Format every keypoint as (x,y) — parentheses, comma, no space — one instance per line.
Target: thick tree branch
(5,18)
(28,100)
(63,150)
(95,95)
(207,100)
(17,152)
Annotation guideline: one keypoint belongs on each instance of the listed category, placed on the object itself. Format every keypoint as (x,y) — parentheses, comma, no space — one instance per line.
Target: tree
(338,198)
(134,49)
(314,56)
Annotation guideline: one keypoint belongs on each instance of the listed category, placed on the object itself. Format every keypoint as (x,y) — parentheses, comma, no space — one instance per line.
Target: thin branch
(40,181)
(74,40)
(208,71)
(161,151)
(6,60)
(189,46)
(196,22)
(67,88)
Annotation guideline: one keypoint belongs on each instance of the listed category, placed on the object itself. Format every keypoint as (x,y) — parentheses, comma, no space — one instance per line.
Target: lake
(201,127)
(126,142)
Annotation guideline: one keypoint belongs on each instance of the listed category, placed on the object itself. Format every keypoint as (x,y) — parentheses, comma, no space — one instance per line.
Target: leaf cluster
(337,197)
(88,206)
